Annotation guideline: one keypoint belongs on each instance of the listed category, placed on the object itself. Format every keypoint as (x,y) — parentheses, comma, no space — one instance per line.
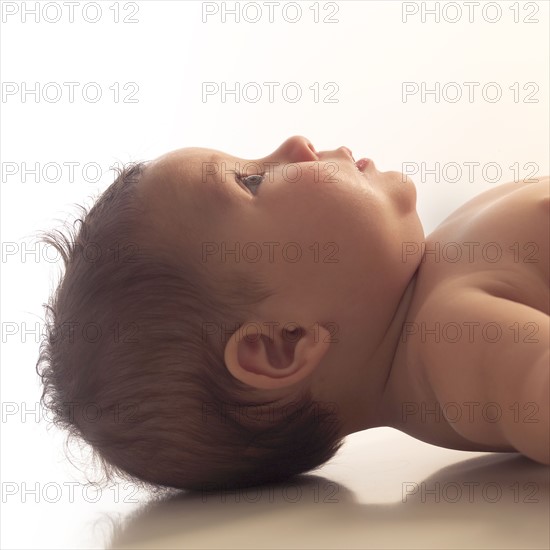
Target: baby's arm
(489,375)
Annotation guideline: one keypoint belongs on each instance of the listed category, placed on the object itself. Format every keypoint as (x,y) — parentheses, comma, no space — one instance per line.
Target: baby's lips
(362,164)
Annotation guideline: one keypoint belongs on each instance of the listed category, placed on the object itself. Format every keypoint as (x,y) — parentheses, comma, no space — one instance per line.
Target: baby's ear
(268,357)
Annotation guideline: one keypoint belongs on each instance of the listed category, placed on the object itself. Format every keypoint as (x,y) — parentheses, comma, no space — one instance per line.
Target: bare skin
(491,373)
(354,330)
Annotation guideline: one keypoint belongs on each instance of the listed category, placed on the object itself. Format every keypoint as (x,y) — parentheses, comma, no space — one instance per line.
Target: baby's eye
(251,182)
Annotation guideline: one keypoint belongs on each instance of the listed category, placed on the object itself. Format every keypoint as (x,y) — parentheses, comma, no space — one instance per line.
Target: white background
(368,50)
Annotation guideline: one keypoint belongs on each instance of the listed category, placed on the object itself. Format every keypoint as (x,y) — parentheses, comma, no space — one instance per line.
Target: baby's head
(216,330)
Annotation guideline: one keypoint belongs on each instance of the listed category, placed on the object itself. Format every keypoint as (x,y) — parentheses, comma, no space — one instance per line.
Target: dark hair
(127,368)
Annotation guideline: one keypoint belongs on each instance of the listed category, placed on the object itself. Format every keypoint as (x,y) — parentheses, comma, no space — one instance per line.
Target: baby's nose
(298,149)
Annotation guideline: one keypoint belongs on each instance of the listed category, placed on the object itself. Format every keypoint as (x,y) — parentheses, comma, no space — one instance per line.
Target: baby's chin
(402,190)
(399,177)
(406,179)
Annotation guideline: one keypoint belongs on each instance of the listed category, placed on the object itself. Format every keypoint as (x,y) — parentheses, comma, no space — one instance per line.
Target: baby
(223,322)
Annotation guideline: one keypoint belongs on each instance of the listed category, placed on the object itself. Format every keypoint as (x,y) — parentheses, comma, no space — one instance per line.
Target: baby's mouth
(362,164)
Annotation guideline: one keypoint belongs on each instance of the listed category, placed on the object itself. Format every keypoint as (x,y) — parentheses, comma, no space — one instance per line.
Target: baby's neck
(382,373)
(403,383)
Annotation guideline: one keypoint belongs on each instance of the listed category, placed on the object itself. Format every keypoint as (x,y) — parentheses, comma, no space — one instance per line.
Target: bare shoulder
(522,194)
(479,327)
(490,352)
(500,243)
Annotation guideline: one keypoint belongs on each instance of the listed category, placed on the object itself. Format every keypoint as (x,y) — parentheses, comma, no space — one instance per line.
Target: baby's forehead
(189,156)
(190,164)
(177,165)
(177,200)
(178,174)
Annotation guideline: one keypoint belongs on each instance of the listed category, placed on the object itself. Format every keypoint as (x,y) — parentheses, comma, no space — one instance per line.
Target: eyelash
(241,178)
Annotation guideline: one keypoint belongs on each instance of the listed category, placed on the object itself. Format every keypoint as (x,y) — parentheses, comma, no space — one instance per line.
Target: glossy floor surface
(382,490)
